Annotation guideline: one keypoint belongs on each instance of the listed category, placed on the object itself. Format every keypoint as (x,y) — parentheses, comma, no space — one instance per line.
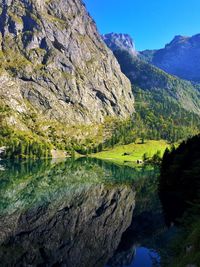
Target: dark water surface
(84,213)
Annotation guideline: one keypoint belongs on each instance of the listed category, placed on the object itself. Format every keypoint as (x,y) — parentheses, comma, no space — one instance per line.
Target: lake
(83,213)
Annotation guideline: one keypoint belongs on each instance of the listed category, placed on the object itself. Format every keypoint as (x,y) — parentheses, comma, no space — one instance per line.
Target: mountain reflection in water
(77,214)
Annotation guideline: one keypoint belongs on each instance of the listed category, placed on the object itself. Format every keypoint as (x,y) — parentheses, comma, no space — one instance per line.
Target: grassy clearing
(129,154)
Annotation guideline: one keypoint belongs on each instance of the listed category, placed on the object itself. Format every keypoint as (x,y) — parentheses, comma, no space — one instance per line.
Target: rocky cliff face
(53,62)
(120,41)
(180,57)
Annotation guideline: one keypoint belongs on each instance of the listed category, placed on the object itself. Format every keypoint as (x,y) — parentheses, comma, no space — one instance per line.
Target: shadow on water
(81,213)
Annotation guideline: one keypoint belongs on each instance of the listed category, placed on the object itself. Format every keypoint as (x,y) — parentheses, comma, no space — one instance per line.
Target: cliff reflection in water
(65,214)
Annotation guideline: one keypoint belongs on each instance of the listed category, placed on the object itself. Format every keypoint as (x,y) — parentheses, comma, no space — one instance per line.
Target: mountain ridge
(168,107)
(138,71)
(179,57)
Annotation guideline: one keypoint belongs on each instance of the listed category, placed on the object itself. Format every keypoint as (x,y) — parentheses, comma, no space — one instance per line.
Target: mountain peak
(178,39)
(120,41)
(180,57)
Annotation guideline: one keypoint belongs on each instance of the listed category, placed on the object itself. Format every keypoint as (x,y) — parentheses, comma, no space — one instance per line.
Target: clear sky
(151,23)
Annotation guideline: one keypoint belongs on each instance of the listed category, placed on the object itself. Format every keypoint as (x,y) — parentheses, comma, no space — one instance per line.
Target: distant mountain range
(181,57)
(138,67)
(156,92)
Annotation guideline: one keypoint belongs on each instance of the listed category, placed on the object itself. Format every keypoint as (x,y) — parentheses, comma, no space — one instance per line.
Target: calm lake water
(83,213)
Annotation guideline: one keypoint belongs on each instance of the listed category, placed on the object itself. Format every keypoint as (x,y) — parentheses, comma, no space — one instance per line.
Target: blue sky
(151,23)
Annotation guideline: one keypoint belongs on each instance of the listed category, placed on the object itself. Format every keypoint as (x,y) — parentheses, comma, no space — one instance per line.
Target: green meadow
(129,154)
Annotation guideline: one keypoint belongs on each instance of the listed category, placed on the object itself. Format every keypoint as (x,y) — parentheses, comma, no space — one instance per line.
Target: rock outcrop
(54,62)
(120,41)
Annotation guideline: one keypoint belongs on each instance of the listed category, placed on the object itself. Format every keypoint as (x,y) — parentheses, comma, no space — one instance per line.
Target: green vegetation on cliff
(18,143)
(23,145)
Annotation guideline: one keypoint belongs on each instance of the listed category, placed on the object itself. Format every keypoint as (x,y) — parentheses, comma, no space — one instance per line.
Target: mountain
(181,57)
(120,41)
(164,101)
(154,80)
(54,64)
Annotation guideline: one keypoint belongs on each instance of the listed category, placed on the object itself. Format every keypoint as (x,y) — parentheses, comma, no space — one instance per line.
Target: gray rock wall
(54,57)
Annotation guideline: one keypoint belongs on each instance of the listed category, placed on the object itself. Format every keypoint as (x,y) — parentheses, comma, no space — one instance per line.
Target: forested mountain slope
(168,105)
